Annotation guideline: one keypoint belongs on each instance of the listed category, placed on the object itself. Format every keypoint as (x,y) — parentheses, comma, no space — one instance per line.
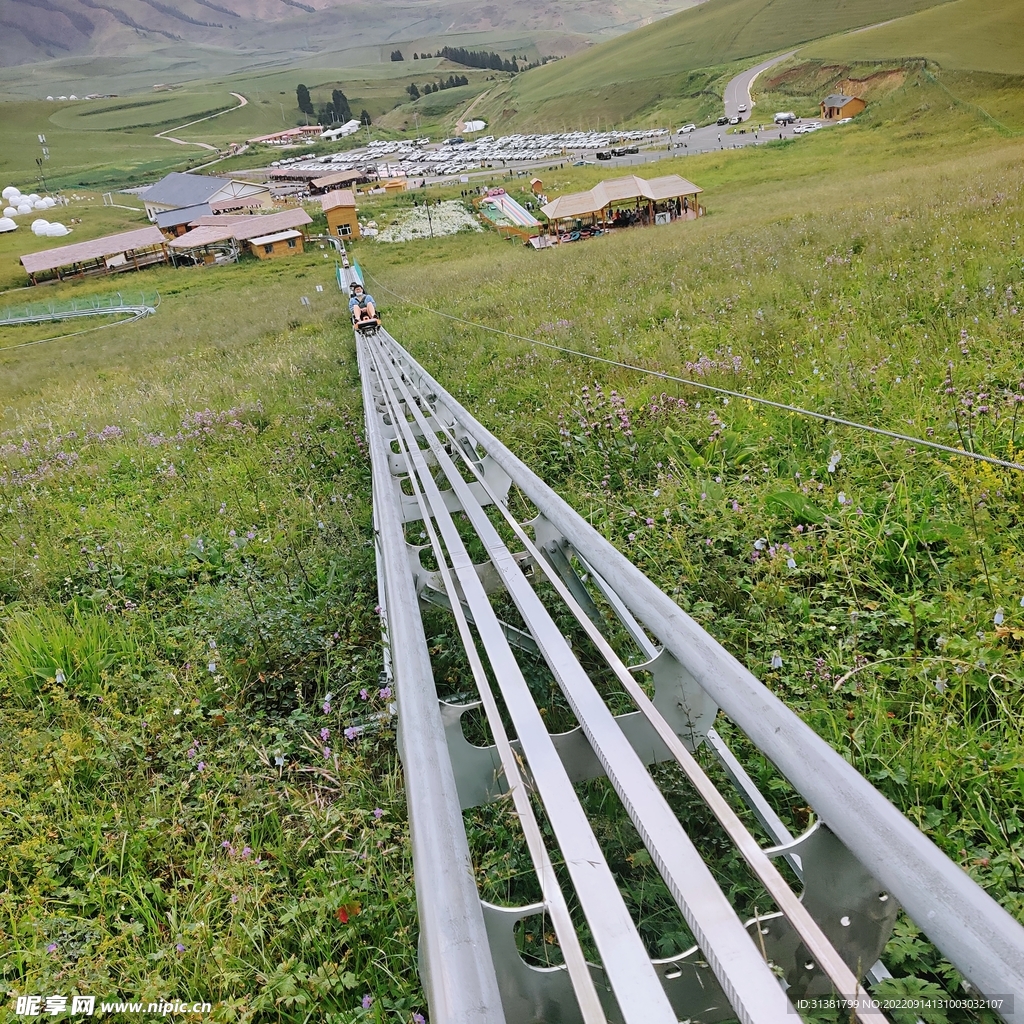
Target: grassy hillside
(112,142)
(191,39)
(964,35)
(187,506)
(627,77)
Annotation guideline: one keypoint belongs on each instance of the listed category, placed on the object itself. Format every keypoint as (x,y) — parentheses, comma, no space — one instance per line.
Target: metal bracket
(477,769)
(851,907)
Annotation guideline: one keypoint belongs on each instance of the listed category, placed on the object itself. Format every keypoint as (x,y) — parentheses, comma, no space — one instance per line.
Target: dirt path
(242,102)
(461,123)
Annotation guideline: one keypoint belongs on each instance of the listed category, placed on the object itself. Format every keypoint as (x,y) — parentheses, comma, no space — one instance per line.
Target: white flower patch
(448,218)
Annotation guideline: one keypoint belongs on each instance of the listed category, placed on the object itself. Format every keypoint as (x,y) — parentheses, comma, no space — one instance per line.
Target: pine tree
(397,55)
(342,110)
(305,103)
(364,118)
(414,93)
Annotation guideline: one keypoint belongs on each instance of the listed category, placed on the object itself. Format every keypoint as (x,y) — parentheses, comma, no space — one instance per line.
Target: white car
(742,108)
(686,129)
(844,120)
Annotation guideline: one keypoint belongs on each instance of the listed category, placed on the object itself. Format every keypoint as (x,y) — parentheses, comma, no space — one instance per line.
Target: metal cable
(782,406)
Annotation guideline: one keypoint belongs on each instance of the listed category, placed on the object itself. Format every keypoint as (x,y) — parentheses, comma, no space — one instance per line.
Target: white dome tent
(24,207)
(9,212)
(10,192)
(40,227)
(6,224)
(57,229)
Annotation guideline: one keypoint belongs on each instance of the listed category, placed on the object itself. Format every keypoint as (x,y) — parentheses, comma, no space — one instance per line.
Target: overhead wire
(795,410)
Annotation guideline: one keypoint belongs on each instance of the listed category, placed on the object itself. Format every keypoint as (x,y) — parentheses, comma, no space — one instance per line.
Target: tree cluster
(397,55)
(304,100)
(473,59)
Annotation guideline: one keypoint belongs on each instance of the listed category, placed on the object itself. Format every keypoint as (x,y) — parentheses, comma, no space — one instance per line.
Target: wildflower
(649,521)
(212,667)
(418,1018)
(327,707)
(364,694)
(201,766)
(367,1001)
(790,563)
(246,852)
(1022,602)
(632,537)
(279,760)
(177,711)
(226,845)
(59,678)
(998,618)
(52,947)
(842,498)
(325,734)
(735,505)
(760,543)
(776,661)
(234,897)
(327,753)
(834,460)
(385,693)
(351,732)
(378,813)
(657,493)
(180,948)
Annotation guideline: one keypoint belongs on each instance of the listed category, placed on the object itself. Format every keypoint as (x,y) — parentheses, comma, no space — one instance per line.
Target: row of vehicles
(607,154)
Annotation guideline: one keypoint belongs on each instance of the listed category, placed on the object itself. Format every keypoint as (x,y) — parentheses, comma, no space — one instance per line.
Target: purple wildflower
(378,813)
(367,1001)
(52,947)
(351,732)
(385,693)
(180,948)
(325,734)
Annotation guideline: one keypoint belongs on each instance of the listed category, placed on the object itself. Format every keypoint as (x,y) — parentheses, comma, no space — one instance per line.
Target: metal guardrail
(432,460)
(106,305)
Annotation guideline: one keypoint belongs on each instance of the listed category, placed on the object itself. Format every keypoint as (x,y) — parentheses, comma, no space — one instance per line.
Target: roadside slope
(965,35)
(622,77)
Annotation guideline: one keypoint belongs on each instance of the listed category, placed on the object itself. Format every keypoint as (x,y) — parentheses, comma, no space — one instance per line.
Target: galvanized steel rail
(433,462)
(37,313)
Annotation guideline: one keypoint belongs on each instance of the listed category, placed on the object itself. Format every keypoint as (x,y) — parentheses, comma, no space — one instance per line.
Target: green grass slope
(965,35)
(623,78)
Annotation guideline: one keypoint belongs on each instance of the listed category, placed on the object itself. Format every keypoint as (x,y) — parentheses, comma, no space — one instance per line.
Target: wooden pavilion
(622,202)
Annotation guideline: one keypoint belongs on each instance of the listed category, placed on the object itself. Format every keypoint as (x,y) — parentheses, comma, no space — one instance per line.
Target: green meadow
(186,557)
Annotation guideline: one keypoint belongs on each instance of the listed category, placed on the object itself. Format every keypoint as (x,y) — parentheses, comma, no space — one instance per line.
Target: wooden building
(339,179)
(129,250)
(269,247)
(623,202)
(837,106)
(340,210)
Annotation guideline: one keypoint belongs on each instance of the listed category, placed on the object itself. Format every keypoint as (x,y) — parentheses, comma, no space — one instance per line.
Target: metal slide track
(434,465)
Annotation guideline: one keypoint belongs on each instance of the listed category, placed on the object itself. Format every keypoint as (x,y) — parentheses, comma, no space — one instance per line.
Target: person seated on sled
(362,305)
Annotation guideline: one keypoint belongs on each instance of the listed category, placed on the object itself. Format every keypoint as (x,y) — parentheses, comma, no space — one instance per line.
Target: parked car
(722,120)
(604,155)
(844,120)
(686,129)
(734,120)
(632,149)
(785,117)
(619,151)
(584,163)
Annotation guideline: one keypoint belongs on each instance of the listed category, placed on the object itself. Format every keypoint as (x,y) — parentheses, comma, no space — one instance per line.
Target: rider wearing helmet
(361,305)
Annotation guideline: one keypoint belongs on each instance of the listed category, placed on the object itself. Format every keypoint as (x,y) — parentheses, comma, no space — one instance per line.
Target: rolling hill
(214,36)
(964,35)
(620,79)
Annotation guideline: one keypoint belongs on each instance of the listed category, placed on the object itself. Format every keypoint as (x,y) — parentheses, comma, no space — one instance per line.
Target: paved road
(737,92)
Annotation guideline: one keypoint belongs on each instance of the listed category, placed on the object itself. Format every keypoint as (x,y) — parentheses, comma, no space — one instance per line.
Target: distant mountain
(39,30)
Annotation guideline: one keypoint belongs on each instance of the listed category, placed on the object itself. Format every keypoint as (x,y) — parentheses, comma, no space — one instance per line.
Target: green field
(185,534)
(112,142)
(626,78)
(963,35)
